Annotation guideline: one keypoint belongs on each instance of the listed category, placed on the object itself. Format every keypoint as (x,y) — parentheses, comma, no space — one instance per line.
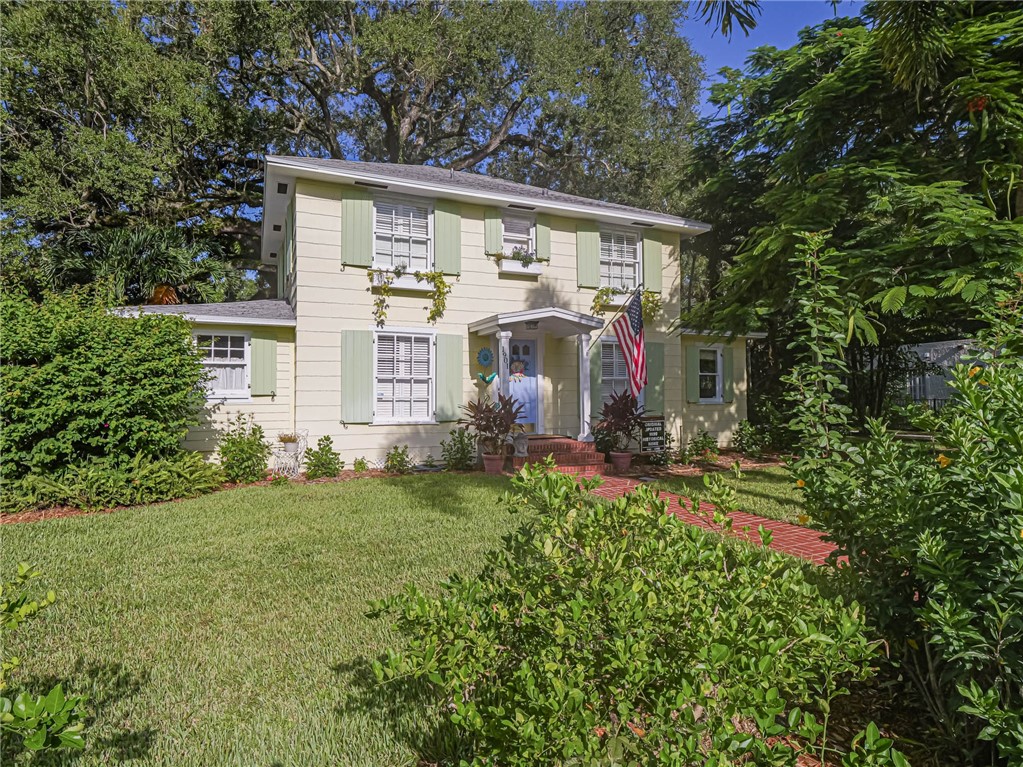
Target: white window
(404,378)
(518,233)
(402,234)
(226,356)
(619,259)
(710,375)
(614,375)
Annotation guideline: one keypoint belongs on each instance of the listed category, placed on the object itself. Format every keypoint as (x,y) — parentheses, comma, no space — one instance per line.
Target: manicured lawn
(768,492)
(231,629)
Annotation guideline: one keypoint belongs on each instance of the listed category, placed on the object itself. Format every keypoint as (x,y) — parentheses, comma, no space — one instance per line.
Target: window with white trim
(614,375)
(518,232)
(711,384)
(402,234)
(619,259)
(404,378)
(226,356)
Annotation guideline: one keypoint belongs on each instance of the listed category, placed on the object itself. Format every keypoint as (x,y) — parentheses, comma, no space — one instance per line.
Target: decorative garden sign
(651,438)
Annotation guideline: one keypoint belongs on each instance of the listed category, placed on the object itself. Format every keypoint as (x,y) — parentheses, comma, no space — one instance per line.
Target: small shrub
(614,633)
(703,446)
(279,480)
(360,465)
(398,460)
(620,420)
(244,453)
(459,452)
(103,484)
(493,422)
(324,461)
(666,456)
(750,440)
(41,722)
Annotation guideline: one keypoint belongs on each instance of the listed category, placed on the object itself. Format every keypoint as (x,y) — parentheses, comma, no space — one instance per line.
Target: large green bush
(79,383)
(613,633)
(244,452)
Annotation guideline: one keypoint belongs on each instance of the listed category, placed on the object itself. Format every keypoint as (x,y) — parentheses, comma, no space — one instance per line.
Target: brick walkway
(789,539)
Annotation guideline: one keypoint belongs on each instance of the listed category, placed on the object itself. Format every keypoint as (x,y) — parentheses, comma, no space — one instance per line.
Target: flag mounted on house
(629,330)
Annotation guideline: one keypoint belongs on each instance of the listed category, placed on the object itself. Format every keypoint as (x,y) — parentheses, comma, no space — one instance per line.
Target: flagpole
(622,308)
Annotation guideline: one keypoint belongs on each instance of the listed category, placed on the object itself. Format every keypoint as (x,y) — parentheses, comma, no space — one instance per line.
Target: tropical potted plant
(619,422)
(493,422)
(289,440)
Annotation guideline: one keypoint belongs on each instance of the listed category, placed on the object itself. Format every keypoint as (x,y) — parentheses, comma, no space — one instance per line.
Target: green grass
(767,492)
(231,629)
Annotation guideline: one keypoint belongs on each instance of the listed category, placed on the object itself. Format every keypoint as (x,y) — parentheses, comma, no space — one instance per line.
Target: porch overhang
(560,323)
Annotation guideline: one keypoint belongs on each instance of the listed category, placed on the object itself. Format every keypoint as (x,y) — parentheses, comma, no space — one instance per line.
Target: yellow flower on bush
(800,483)
(983,382)
(803,519)
(974,370)
(944,461)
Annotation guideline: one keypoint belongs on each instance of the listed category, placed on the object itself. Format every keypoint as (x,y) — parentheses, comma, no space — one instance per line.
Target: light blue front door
(522,377)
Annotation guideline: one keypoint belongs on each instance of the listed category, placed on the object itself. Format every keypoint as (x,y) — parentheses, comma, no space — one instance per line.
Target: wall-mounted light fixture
(532,324)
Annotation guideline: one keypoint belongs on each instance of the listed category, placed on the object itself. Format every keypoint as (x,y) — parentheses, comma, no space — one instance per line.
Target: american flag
(629,329)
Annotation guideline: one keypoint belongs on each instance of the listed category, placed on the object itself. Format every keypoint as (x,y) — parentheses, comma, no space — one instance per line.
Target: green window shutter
(728,373)
(447,244)
(493,233)
(543,236)
(587,252)
(654,391)
(449,377)
(692,373)
(357,376)
(356,227)
(595,403)
(263,363)
(653,266)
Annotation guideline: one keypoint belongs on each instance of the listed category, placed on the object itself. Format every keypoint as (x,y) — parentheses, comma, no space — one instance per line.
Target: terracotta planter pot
(493,464)
(621,461)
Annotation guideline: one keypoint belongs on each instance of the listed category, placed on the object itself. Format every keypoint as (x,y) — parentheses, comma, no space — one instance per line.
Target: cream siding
(330,298)
(275,414)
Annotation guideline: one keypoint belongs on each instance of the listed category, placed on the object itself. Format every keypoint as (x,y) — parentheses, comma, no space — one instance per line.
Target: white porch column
(503,360)
(585,435)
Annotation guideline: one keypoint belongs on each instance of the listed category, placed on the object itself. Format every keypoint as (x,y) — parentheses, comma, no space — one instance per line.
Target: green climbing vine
(381,283)
(651,299)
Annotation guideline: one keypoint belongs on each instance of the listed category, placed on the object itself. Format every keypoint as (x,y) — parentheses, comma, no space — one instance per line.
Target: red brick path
(789,539)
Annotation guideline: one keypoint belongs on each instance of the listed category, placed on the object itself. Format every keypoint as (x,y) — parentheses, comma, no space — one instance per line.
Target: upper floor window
(614,375)
(402,235)
(518,232)
(404,377)
(226,356)
(619,259)
(711,383)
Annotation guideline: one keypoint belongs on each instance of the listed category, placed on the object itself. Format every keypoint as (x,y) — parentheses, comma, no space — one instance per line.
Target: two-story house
(316,360)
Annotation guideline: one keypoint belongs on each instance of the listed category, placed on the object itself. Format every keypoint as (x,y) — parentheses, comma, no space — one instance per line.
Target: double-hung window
(226,356)
(402,234)
(619,259)
(404,378)
(518,233)
(614,375)
(711,383)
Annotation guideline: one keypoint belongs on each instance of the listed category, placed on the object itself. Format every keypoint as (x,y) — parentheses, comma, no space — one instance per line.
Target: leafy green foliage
(620,420)
(613,632)
(398,460)
(459,452)
(40,722)
(105,483)
(750,439)
(244,452)
(360,465)
(493,422)
(79,383)
(702,445)
(324,460)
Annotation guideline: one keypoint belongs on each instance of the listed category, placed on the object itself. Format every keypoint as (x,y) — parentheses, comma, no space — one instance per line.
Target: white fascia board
(208,319)
(660,221)
(721,334)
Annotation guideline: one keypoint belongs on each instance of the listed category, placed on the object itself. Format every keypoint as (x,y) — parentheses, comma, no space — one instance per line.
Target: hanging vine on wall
(381,283)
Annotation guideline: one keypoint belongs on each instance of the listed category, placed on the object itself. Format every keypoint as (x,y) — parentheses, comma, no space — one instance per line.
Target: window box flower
(519,261)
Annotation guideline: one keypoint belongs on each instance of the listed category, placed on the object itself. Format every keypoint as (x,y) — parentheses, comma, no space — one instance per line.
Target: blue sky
(778,25)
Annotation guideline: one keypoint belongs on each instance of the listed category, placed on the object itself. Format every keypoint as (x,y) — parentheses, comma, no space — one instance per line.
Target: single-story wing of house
(536,278)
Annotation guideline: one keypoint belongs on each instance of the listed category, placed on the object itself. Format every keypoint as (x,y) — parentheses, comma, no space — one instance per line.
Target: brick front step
(570,464)
(543,446)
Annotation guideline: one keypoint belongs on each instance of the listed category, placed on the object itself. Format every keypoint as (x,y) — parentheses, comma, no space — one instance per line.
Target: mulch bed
(726,459)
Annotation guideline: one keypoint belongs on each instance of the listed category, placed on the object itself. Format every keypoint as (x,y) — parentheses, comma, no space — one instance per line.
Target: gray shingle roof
(274,310)
(475,182)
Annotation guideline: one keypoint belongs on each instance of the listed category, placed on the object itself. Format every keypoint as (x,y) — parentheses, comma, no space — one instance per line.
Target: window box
(406,282)
(510,265)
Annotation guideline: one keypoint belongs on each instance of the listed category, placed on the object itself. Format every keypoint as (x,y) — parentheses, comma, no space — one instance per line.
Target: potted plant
(493,422)
(289,440)
(619,422)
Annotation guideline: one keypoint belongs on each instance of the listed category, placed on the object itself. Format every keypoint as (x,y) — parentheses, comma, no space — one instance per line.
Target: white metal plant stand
(290,463)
